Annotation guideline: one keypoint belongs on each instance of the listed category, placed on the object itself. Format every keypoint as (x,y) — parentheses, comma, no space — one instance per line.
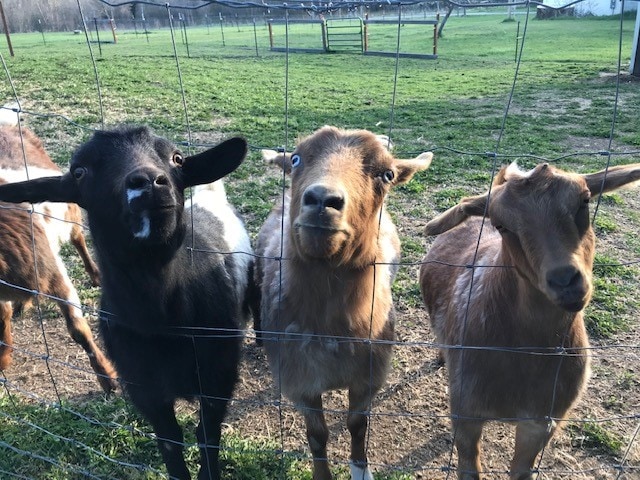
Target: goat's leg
(531,437)
(357,421)
(253,300)
(78,241)
(169,436)
(467,435)
(209,433)
(81,333)
(317,435)
(6,312)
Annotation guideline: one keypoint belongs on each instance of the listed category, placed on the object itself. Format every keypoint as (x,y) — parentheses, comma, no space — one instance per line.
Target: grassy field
(475,107)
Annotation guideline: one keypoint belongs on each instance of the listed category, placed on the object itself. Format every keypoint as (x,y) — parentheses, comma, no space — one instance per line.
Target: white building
(604,7)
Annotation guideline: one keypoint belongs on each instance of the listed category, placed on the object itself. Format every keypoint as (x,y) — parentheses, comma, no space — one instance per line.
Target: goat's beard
(320,243)
(154,226)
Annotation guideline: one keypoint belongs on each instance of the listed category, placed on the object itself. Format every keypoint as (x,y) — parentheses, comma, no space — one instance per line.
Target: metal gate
(345,35)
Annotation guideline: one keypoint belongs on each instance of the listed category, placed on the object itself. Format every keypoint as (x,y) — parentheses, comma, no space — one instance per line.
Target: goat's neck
(359,297)
(533,309)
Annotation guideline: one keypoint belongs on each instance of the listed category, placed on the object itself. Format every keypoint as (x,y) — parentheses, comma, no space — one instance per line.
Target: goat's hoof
(109,385)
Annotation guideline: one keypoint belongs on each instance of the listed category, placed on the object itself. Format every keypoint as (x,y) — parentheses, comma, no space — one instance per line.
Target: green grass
(594,436)
(106,438)
(608,312)
(454,105)
(76,439)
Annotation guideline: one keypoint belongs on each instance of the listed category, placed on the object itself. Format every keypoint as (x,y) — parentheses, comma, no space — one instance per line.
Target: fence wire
(621,467)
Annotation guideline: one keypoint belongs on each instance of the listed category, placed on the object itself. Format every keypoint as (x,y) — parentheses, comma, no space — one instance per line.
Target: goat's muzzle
(152,205)
(320,228)
(570,288)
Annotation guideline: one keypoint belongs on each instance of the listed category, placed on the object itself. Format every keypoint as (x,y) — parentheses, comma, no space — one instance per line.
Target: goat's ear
(283,160)
(215,163)
(468,207)
(45,189)
(408,168)
(613,178)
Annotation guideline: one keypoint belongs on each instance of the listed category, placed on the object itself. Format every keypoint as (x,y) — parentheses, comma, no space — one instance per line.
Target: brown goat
(326,313)
(507,308)
(54,224)
(64,220)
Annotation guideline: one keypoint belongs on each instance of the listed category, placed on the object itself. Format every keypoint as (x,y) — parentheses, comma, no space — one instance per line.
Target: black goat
(172,303)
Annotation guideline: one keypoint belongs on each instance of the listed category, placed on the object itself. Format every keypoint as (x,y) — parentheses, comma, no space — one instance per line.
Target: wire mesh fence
(50,382)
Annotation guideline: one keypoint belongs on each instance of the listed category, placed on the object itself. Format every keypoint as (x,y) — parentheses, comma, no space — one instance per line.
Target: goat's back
(21,240)
(23,157)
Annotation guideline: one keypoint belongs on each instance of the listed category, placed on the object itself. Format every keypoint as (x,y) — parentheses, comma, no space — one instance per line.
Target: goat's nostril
(137,182)
(563,277)
(161,179)
(334,201)
(309,198)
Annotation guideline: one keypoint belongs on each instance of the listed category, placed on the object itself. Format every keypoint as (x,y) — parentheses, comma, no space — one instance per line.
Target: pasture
(475,107)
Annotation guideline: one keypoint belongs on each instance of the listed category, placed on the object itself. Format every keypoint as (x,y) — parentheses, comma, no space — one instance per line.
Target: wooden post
(435,34)
(186,39)
(222,28)
(325,38)
(6,29)
(366,32)
(113,29)
(634,67)
(270,36)
(255,36)
(95,22)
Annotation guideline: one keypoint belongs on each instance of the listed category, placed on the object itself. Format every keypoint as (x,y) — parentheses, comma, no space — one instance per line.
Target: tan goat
(54,224)
(327,314)
(507,309)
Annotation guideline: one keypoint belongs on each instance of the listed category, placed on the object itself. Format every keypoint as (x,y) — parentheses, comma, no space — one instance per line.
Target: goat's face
(132,182)
(136,175)
(543,218)
(339,181)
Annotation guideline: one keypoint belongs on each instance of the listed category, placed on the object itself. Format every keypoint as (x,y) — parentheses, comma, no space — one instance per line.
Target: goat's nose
(563,277)
(145,180)
(323,197)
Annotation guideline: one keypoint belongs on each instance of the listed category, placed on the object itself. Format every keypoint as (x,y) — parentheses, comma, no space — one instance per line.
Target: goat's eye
(79,172)
(388,176)
(295,160)
(177,158)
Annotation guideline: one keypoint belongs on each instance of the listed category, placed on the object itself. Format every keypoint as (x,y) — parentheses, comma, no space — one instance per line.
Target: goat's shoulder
(462,241)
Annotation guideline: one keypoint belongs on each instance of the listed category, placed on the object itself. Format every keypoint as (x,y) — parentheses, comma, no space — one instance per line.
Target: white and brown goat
(505,299)
(326,313)
(22,155)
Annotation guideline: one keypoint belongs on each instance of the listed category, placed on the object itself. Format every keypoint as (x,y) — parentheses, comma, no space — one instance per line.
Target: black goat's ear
(215,163)
(45,189)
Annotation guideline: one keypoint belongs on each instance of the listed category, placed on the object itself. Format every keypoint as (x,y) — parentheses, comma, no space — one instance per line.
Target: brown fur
(49,276)
(323,303)
(518,306)
(14,158)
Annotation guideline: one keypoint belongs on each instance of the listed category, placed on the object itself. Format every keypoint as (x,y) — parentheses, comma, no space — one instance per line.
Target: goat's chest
(319,345)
